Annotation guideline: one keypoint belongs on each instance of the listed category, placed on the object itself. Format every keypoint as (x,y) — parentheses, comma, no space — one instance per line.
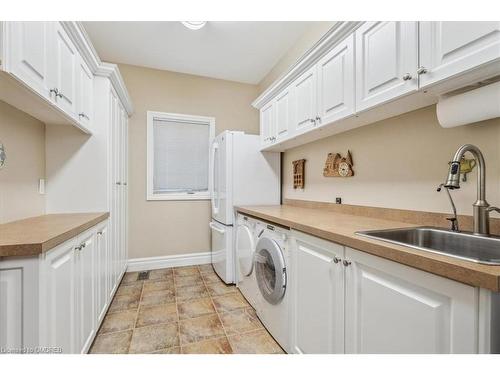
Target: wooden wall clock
(337,165)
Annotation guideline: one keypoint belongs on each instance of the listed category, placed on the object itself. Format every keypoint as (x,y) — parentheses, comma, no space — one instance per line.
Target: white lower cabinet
(318,298)
(392,308)
(348,301)
(58,301)
(74,290)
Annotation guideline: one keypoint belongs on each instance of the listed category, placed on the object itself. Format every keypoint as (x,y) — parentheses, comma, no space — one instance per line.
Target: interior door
(28,54)
(452,47)
(386,62)
(336,83)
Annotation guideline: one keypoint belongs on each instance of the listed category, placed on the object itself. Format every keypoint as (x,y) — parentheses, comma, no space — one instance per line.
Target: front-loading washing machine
(271,262)
(245,250)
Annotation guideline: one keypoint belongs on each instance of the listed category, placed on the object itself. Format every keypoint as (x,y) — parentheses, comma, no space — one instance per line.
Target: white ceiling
(236,51)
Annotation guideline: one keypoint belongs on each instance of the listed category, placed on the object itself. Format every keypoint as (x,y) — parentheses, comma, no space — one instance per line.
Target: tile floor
(185,310)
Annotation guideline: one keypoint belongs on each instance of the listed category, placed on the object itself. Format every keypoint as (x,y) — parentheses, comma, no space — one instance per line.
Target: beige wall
(159,228)
(305,42)
(398,163)
(24,141)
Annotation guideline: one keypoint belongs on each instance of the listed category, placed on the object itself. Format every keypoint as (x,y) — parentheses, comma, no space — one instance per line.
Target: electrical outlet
(338,200)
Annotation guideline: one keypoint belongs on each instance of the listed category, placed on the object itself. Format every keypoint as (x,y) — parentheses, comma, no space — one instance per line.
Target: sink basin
(462,245)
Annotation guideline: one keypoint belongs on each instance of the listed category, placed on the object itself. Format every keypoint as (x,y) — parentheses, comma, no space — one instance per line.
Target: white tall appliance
(240,174)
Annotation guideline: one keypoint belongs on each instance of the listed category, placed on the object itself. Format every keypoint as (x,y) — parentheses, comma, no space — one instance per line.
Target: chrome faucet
(481,208)
(454,218)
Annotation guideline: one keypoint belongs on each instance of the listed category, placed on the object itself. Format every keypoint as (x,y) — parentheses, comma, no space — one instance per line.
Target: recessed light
(194,25)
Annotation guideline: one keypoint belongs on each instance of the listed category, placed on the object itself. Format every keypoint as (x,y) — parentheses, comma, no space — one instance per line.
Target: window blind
(181,152)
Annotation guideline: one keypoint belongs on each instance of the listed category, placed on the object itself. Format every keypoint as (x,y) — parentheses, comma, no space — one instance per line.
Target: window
(178,156)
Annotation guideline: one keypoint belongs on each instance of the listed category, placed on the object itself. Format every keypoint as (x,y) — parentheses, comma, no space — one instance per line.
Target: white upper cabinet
(386,62)
(85,95)
(63,71)
(318,296)
(283,111)
(336,83)
(28,57)
(267,124)
(392,308)
(450,48)
(304,103)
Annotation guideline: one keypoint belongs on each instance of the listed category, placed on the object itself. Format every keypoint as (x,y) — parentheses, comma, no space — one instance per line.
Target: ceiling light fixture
(194,25)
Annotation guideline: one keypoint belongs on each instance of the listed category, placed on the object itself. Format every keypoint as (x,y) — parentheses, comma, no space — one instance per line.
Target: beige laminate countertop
(341,228)
(38,234)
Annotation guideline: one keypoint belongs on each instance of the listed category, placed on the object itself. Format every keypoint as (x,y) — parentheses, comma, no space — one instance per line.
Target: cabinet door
(283,114)
(85,90)
(63,70)
(392,308)
(304,103)
(28,54)
(85,290)
(267,124)
(318,296)
(336,83)
(123,189)
(101,265)
(386,62)
(58,298)
(452,47)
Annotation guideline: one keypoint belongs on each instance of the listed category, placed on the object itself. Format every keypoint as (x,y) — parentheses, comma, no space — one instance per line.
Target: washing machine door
(245,248)
(270,270)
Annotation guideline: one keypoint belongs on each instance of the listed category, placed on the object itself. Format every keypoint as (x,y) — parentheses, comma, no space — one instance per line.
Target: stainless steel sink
(462,245)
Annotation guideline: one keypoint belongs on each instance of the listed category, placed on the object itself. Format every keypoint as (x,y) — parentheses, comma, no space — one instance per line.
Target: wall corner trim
(153,263)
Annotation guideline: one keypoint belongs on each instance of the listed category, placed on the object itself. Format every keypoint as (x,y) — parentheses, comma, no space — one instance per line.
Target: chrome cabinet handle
(336,260)
(421,70)
(99,233)
(78,248)
(55,91)
(407,77)
(346,263)
(59,94)
(118,183)
(125,184)
(83,115)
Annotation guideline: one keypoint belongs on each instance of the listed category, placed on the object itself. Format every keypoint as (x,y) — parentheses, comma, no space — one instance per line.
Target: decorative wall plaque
(338,166)
(298,173)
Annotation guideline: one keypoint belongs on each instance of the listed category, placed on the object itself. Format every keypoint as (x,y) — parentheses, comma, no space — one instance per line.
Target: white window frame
(151,115)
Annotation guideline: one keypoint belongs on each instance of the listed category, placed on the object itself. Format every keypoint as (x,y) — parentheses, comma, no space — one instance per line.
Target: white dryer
(245,250)
(271,263)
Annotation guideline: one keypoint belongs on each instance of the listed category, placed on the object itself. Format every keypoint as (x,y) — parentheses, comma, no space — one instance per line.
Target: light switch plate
(41,186)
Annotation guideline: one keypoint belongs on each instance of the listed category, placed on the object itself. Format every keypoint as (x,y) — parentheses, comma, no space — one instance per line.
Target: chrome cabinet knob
(346,263)
(336,260)
(118,183)
(318,118)
(55,91)
(407,77)
(421,70)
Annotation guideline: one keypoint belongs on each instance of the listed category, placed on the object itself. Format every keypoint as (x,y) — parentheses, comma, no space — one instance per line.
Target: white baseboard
(154,263)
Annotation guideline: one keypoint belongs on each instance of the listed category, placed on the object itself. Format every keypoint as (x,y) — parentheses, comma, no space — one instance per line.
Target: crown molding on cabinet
(333,36)
(82,41)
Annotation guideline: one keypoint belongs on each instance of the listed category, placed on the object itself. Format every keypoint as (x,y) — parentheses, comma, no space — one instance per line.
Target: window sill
(178,197)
